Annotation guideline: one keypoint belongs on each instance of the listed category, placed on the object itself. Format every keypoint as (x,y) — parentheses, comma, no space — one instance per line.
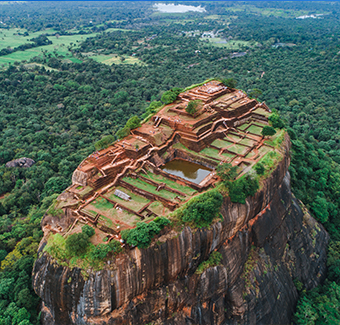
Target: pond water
(172,8)
(185,169)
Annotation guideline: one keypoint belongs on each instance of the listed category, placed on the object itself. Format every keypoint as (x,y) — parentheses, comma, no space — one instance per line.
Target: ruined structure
(226,127)
(265,244)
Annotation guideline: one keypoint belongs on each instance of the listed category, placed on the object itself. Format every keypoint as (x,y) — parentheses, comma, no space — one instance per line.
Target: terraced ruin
(166,161)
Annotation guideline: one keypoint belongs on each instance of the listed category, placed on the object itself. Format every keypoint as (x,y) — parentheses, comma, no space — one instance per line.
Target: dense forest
(56,110)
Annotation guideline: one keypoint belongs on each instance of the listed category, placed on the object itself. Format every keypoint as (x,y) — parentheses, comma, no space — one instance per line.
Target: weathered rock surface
(21,162)
(266,244)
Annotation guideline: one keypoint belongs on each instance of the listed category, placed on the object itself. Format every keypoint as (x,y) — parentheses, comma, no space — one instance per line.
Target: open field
(231,45)
(115,59)
(10,37)
(275,12)
(59,46)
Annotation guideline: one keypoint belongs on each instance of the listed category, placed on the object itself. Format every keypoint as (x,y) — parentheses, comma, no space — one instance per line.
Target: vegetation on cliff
(143,233)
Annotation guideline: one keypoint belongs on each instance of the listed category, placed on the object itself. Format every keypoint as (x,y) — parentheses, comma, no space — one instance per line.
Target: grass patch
(158,208)
(232,44)
(247,142)
(150,188)
(116,59)
(211,152)
(234,137)
(221,143)
(243,126)
(255,129)
(174,185)
(238,149)
(60,46)
(102,204)
(136,202)
(276,139)
(214,259)
(105,221)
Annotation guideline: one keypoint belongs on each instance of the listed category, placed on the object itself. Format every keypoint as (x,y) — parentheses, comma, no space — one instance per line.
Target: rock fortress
(171,158)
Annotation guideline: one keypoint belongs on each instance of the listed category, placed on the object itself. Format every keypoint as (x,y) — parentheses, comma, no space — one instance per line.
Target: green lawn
(150,188)
(262,111)
(136,203)
(161,179)
(158,208)
(243,126)
(228,155)
(240,150)
(264,149)
(234,137)
(221,143)
(255,129)
(89,212)
(102,204)
(247,142)
(10,37)
(211,152)
(251,154)
(232,44)
(105,221)
(116,59)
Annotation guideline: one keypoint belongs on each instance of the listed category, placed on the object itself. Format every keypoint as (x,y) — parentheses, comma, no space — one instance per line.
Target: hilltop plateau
(187,219)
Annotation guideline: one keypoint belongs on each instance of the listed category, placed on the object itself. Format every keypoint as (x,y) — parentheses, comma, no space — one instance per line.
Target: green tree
(192,106)
(226,172)
(88,230)
(76,244)
(202,209)
(276,121)
(133,122)
(229,82)
(168,97)
(143,233)
(268,131)
(255,93)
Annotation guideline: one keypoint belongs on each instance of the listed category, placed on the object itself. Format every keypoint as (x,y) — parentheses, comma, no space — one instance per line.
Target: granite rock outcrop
(266,245)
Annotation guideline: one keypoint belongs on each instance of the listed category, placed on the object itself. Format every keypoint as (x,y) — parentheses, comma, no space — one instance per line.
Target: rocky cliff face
(266,244)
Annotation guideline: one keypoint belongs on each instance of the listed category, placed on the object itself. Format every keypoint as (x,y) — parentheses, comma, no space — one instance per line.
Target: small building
(122,195)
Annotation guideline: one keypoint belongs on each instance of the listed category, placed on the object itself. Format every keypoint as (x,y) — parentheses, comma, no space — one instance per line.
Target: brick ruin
(114,188)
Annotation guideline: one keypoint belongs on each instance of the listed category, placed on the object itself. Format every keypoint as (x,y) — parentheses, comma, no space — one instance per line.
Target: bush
(123,132)
(142,235)
(202,209)
(214,259)
(240,189)
(88,230)
(229,82)
(268,130)
(171,95)
(104,142)
(226,172)
(192,106)
(100,251)
(259,168)
(133,123)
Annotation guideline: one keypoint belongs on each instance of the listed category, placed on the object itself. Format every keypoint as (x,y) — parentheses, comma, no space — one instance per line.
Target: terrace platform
(225,128)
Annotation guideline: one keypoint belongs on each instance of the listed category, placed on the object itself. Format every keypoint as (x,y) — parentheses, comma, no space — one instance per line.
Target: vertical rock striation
(266,245)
